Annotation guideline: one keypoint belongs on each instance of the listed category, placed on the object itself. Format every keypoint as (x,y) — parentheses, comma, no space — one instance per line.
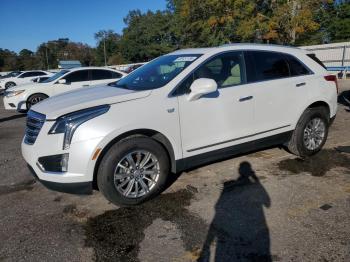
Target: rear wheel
(310,133)
(133,171)
(9,85)
(34,99)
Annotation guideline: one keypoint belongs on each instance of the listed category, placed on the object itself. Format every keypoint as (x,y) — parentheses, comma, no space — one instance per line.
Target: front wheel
(9,85)
(311,132)
(133,171)
(34,99)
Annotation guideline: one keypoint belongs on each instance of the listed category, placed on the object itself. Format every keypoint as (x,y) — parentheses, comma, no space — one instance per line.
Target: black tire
(118,152)
(34,99)
(296,144)
(9,84)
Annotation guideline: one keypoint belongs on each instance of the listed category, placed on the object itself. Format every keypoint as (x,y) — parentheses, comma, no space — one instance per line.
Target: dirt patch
(4,190)
(317,165)
(117,234)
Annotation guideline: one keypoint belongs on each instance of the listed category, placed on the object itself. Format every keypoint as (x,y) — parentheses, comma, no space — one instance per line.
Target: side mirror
(201,87)
(62,81)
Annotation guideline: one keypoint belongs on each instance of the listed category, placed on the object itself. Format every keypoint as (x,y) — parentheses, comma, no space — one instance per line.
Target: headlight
(13,93)
(67,124)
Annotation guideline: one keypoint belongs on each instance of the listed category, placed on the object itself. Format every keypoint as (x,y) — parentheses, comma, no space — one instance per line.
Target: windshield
(156,73)
(55,76)
(12,74)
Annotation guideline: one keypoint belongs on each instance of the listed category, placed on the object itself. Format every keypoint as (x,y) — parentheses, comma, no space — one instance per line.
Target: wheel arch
(37,93)
(159,137)
(321,103)
(9,82)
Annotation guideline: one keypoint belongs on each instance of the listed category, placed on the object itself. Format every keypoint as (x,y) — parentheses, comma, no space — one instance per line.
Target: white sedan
(22,78)
(21,98)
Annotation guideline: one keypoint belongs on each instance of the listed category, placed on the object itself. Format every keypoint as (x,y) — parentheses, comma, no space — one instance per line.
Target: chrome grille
(35,122)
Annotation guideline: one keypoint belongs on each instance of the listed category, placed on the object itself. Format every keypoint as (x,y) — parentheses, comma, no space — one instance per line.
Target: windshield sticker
(185,59)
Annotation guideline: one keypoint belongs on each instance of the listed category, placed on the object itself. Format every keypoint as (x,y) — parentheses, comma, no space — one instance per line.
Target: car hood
(26,86)
(68,102)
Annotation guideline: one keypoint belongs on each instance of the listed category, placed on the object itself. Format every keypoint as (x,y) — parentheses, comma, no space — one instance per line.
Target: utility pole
(47,58)
(104,47)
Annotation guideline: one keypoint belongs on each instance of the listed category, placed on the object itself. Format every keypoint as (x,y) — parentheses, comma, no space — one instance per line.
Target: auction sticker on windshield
(185,59)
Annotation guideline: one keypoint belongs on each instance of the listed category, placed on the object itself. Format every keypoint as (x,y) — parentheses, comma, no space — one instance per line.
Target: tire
(116,160)
(9,84)
(298,143)
(34,99)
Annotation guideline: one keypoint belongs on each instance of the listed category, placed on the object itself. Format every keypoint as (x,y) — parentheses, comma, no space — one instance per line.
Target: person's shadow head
(247,176)
(239,230)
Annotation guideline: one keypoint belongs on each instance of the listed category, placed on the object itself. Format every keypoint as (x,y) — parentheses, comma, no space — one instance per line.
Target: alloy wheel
(314,133)
(136,174)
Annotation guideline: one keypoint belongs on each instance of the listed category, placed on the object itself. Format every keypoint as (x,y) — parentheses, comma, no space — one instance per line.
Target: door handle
(300,84)
(242,99)
(86,85)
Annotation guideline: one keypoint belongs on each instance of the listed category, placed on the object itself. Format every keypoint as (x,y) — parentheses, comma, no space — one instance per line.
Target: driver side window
(225,69)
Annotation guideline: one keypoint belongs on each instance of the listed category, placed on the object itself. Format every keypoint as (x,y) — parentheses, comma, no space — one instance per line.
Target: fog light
(55,163)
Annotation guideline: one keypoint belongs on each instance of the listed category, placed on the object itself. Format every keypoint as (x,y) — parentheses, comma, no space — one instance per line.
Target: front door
(220,119)
(74,80)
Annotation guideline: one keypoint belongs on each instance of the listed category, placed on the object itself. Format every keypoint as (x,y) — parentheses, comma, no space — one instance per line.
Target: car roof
(88,67)
(239,46)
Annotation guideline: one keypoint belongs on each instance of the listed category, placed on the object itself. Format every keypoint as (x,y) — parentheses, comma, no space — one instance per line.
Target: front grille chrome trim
(35,122)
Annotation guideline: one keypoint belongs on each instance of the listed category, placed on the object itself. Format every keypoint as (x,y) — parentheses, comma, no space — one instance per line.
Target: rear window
(101,74)
(264,65)
(318,61)
(296,67)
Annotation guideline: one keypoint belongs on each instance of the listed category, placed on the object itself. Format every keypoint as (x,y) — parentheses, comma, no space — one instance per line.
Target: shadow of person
(239,231)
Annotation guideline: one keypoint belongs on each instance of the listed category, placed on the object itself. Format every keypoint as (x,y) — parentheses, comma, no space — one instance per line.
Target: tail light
(332,78)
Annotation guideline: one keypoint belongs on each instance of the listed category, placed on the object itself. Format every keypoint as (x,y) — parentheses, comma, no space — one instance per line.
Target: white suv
(21,98)
(179,111)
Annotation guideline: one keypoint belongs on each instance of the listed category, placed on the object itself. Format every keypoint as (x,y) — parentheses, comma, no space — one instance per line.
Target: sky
(28,23)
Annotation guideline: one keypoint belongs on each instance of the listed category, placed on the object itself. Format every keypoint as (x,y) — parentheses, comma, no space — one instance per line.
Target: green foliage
(147,35)
(107,40)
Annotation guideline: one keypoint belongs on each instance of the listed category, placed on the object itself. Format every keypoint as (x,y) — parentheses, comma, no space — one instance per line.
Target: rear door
(102,76)
(274,93)
(74,80)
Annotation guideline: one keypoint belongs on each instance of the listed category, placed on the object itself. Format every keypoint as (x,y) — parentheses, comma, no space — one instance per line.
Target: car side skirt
(227,152)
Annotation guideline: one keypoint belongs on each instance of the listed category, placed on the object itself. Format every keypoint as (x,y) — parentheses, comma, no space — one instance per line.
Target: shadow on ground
(5,119)
(317,165)
(238,230)
(344,99)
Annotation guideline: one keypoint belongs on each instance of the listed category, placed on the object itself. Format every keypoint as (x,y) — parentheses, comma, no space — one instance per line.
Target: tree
(147,35)
(8,60)
(339,27)
(290,20)
(107,44)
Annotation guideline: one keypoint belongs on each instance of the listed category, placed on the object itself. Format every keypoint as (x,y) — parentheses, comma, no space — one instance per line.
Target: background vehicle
(23,97)
(11,74)
(22,78)
(179,111)
(133,67)
(40,79)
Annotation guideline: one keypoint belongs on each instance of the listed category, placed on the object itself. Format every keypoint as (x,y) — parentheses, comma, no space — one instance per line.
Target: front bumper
(80,172)
(14,103)
(81,188)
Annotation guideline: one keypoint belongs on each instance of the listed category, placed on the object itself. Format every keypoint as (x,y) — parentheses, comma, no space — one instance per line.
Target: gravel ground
(263,206)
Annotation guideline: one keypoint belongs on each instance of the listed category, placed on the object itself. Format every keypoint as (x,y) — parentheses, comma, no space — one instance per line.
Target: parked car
(40,79)
(21,98)
(133,67)
(179,111)
(11,74)
(20,79)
